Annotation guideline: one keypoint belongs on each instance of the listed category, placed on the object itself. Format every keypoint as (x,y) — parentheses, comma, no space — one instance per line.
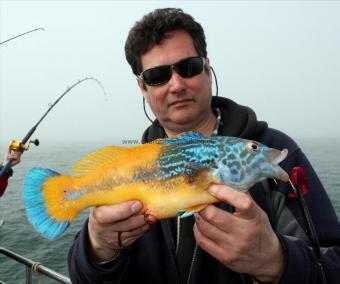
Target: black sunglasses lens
(190,67)
(157,75)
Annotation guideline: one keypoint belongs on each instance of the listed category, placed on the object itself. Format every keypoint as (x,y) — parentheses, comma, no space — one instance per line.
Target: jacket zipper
(192,263)
(177,245)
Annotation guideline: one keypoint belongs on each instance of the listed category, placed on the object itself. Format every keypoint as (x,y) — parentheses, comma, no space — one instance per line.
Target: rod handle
(6,168)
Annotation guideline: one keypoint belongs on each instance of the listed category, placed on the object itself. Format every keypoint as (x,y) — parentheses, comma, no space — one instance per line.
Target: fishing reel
(21,147)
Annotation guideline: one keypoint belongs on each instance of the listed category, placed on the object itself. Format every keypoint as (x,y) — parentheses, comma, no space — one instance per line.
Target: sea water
(19,236)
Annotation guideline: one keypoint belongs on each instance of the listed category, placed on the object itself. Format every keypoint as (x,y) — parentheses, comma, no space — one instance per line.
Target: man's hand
(109,223)
(12,155)
(243,241)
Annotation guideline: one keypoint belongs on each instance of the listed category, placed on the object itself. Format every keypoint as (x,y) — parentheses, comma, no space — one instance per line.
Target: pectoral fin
(191,210)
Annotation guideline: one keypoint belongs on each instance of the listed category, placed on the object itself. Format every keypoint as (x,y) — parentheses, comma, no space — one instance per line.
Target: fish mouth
(278,157)
(283,154)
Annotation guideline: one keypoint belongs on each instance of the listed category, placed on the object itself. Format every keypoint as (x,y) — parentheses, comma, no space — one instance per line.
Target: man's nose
(176,82)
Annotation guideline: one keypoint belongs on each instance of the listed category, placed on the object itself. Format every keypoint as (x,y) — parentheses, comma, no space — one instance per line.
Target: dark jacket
(4,180)
(151,259)
(3,184)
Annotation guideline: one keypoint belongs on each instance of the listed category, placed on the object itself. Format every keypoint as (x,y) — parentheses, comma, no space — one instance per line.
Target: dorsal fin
(97,158)
(184,137)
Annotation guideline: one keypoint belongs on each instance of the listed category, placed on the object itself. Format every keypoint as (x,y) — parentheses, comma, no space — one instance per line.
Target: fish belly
(164,199)
(161,199)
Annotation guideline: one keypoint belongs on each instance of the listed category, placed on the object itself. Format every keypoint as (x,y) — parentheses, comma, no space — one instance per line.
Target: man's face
(181,103)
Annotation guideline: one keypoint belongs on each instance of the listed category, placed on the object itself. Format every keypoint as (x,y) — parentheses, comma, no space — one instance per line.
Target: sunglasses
(186,68)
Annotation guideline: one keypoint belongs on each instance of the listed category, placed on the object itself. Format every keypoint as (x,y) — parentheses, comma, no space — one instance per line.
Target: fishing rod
(22,35)
(22,145)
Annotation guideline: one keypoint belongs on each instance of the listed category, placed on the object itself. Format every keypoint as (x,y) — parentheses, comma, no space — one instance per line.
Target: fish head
(245,162)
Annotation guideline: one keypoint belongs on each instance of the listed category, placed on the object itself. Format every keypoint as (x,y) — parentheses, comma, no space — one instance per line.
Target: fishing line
(310,228)
(22,146)
(7,40)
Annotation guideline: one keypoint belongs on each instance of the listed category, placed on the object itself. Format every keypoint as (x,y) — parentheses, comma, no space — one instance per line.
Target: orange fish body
(169,176)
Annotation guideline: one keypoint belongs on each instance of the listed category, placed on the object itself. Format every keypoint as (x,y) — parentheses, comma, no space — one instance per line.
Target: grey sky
(280,58)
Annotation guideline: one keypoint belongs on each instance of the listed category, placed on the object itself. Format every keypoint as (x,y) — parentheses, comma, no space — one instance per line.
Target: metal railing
(34,266)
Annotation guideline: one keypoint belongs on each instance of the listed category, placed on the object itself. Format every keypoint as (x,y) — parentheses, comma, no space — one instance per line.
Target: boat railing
(32,266)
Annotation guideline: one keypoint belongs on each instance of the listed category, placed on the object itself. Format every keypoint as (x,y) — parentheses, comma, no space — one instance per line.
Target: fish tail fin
(45,203)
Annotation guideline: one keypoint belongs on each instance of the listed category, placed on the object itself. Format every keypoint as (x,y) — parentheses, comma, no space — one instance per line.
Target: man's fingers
(127,238)
(12,155)
(113,213)
(129,224)
(243,203)
(207,244)
(136,232)
(211,231)
(217,217)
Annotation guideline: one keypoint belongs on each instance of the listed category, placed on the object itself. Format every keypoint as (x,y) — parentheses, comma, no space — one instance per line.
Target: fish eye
(253,147)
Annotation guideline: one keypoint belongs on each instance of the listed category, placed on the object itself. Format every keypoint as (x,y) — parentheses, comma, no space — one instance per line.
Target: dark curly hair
(151,29)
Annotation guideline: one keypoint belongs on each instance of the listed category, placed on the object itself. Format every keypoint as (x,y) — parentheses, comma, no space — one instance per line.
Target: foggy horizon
(279,58)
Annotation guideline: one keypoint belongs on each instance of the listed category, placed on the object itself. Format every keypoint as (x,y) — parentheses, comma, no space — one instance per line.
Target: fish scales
(188,158)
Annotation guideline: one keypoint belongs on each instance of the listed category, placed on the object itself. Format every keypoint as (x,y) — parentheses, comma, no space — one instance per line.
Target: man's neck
(206,127)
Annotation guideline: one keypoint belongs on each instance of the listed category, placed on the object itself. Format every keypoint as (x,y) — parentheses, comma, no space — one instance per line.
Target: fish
(170,176)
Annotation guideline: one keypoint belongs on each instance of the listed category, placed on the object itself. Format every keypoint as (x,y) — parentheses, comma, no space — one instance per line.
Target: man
(15,157)
(258,236)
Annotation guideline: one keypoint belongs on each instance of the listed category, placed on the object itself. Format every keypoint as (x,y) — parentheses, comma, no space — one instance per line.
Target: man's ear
(207,69)
(142,88)
(207,66)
